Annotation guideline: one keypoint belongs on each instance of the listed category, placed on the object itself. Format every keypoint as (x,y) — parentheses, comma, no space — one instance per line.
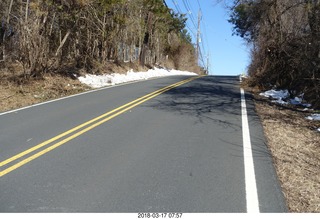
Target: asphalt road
(176,149)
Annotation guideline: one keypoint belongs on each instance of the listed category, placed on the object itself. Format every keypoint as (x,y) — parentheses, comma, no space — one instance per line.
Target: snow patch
(278,95)
(97,81)
(298,101)
(281,97)
(314,117)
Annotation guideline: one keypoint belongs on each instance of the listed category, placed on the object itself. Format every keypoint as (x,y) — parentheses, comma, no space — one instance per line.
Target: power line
(165,3)
(192,32)
(188,4)
(195,30)
(199,4)
(190,13)
(185,5)
(175,3)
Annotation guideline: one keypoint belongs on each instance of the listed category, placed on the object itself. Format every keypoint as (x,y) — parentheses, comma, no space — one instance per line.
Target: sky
(228,55)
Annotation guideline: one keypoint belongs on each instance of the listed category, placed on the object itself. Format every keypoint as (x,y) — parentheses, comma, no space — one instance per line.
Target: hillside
(46,45)
(59,37)
(283,37)
(284,40)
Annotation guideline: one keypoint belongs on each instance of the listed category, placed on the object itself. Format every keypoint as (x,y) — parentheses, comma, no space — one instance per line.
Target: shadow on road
(202,98)
(214,99)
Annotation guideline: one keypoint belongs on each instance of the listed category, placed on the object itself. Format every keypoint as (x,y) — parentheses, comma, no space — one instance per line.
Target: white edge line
(250,178)
(79,94)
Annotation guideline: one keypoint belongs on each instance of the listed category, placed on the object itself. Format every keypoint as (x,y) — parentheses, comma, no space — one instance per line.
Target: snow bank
(97,81)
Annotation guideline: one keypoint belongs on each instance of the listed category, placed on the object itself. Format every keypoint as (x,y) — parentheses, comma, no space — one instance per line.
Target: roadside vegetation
(284,37)
(51,36)
(45,45)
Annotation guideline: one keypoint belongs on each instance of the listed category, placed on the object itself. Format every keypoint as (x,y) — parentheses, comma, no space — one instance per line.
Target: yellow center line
(116,112)
(5,162)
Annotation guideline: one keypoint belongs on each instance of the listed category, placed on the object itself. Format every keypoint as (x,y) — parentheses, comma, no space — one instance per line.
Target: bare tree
(285,39)
(47,35)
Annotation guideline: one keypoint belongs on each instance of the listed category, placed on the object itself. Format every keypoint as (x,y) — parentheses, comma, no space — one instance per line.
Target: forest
(284,38)
(41,36)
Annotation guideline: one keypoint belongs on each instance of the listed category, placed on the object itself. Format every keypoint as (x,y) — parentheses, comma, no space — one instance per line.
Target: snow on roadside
(278,95)
(314,117)
(97,81)
(281,97)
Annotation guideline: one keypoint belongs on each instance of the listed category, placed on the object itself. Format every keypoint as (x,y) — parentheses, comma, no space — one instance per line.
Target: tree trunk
(62,42)
(4,52)
(146,40)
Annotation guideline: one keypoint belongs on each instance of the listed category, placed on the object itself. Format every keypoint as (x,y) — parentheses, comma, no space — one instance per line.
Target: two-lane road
(175,144)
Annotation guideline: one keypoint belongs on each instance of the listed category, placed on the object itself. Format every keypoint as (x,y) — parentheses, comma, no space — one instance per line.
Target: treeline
(43,35)
(285,39)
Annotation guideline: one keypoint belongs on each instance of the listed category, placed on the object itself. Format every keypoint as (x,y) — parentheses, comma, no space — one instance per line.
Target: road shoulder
(295,150)
(266,175)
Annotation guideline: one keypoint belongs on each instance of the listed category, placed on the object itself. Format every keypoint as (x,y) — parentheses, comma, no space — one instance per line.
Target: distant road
(175,144)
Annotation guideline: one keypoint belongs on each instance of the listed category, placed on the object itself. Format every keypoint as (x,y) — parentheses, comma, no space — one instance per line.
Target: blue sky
(228,54)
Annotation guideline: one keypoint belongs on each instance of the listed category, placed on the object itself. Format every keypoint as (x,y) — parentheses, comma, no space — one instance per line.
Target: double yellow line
(87,126)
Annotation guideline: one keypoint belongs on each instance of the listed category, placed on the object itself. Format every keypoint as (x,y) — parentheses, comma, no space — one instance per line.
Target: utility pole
(198,36)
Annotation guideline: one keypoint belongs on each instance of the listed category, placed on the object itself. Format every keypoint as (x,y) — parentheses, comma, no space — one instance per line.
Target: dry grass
(295,146)
(16,92)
